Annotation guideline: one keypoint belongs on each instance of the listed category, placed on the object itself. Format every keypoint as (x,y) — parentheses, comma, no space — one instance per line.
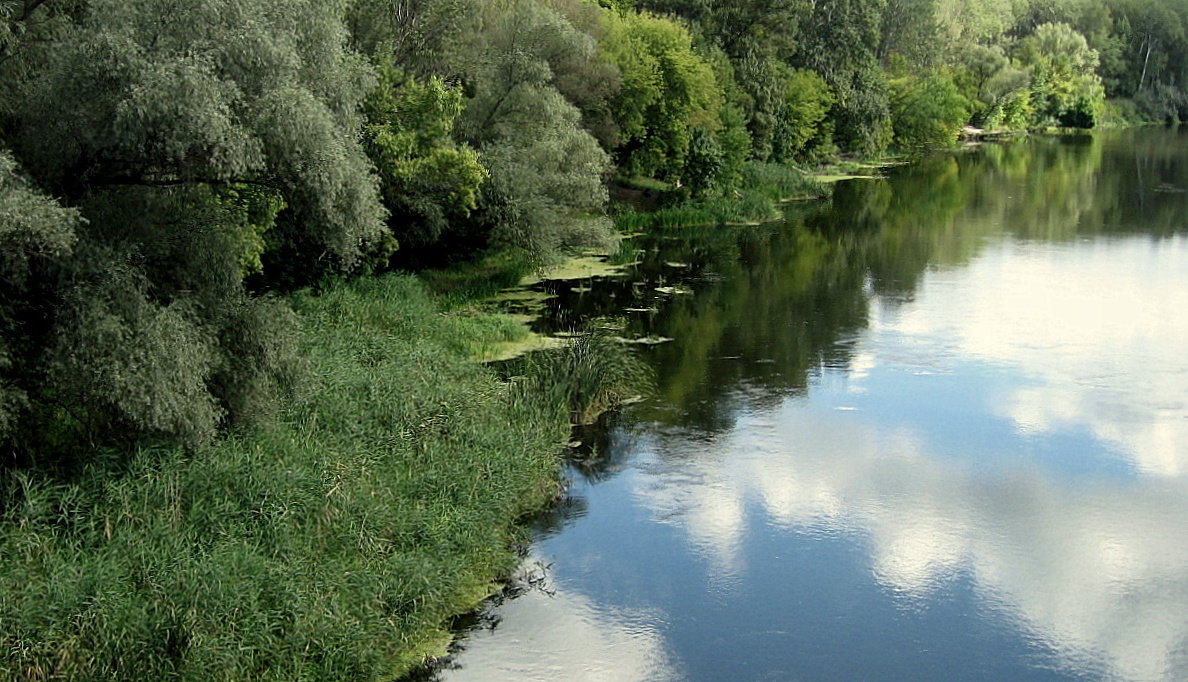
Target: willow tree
(198,142)
(545,170)
(34,228)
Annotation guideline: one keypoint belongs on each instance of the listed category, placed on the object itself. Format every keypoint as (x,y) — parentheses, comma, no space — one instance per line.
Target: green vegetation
(172,171)
(333,544)
(593,374)
(762,188)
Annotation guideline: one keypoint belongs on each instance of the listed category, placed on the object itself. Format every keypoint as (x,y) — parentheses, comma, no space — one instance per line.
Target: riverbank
(780,464)
(764,186)
(334,544)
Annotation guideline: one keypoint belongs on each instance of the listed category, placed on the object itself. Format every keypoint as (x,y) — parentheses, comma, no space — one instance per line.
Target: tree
(428,181)
(741,27)
(1064,83)
(197,142)
(976,23)
(802,126)
(668,90)
(546,171)
(587,76)
(1156,52)
(910,30)
(926,111)
(34,228)
(839,41)
(168,92)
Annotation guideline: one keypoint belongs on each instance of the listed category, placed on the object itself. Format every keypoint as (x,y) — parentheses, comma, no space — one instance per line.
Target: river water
(933,428)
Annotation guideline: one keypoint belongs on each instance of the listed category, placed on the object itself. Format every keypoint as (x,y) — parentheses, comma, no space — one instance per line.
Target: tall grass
(778,182)
(331,546)
(589,376)
(481,278)
(764,186)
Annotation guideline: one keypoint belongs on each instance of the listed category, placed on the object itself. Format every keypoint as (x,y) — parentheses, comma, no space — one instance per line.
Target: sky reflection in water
(990,483)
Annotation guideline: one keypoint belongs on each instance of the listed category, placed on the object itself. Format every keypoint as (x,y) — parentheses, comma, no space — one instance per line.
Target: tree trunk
(1146,60)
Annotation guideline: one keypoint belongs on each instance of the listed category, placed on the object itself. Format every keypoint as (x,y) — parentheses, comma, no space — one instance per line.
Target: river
(933,428)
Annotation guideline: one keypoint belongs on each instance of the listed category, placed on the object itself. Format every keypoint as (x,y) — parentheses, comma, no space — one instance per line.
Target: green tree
(839,41)
(909,30)
(587,76)
(965,23)
(197,143)
(741,27)
(428,181)
(1065,86)
(926,111)
(1154,67)
(34,230)
(668,90)
(545,190)
(802,128)
(733,137)
(168,92)
(422,37)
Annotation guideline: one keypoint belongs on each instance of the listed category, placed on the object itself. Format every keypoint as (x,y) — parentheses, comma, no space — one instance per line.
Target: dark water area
(933,428)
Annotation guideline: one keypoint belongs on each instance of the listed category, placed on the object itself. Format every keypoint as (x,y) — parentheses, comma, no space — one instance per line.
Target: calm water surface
(935,428)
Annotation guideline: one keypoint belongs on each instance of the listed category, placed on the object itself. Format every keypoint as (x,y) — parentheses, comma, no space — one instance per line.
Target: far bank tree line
(167,166)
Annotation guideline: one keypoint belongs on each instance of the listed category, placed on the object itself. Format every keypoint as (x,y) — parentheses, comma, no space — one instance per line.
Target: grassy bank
(332,545)
(763,188)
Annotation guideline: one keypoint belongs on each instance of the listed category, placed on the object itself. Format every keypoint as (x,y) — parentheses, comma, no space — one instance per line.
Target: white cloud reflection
(1095,568)
(555,634)
(1099,329)
(1099,572)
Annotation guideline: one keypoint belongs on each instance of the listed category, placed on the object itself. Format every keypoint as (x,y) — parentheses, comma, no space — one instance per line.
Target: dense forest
(202,203)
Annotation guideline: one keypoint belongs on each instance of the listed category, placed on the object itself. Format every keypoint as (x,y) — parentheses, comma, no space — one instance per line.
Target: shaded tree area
(158,154)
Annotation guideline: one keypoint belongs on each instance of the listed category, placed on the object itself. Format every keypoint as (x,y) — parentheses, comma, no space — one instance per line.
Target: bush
(763,187)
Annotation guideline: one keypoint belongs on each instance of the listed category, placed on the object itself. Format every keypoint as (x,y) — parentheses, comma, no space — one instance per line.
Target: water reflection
(1098,571)
(935,429)
(548,633)
(1093,332)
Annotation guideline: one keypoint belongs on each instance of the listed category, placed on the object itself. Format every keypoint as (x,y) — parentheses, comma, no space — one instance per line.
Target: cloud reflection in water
(557,634)
(1081,337)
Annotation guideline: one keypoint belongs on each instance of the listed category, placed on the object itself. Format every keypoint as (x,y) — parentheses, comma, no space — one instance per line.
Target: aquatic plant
(592,374)
(764,187)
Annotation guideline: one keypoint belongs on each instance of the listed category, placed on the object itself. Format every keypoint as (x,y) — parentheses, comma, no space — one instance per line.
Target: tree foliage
(668,90)
(195,142)
(840,41)
(803,128)
(1064,82)
(429,181)
(172,92)
(425,37)
(35,230)
(926,111)
(546,170)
